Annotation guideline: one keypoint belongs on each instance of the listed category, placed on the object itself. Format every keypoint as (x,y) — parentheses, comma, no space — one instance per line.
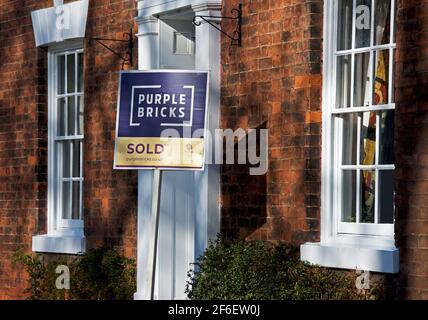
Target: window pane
(81,114)
(61,117)
(71,113)
(76,200)
(362,80)
(386,147)
(71,73)
(368,138)
(66,197)
(386,196)
(80,72)
(362,23)
(61,74)
(382,23)
(76,158)
(381,77)
(344,40)
(343,91)
(348,196)
(350,138)
(368,179)
(66,157)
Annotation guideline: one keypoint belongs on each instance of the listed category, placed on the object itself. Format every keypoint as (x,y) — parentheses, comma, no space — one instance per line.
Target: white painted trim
(363,109)
(51,25)
(59,244)
(207,6)
(158,7)
(343,250)
(368,258)
(63,236)
(327,178)
(332,229)
(366,229)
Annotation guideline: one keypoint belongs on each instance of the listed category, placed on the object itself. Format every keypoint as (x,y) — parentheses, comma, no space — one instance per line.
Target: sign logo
(161,120)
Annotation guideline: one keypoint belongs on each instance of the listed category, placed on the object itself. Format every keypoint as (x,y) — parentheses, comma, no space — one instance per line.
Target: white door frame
(206,203)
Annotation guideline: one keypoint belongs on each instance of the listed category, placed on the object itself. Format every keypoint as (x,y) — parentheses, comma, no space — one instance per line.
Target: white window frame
(64,235)
(346,245)
(343,232)
(61,225)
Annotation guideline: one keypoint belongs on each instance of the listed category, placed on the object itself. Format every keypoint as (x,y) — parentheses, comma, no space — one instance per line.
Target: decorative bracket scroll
(236,34)
(127,58)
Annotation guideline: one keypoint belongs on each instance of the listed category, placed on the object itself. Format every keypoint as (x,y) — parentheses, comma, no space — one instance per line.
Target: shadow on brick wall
(244,196)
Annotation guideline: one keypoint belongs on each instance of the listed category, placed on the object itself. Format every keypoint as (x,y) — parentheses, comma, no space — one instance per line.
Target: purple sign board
(161,120)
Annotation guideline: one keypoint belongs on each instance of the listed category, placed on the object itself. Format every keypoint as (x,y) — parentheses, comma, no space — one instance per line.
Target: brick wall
(22,139)
(109,196)
(274,81)
(411,147)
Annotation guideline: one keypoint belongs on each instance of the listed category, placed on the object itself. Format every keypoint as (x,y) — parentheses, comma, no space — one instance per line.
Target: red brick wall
(22,139)
(411,81)
(274,81)
(109,196)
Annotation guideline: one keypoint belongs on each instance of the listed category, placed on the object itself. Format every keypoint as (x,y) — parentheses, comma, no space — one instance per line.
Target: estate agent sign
(161,120)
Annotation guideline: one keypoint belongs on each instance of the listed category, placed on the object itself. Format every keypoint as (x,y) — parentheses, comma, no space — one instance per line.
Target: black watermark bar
(209,309)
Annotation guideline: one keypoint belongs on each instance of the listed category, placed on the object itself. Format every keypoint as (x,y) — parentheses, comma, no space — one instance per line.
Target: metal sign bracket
(129,39)
(236,34)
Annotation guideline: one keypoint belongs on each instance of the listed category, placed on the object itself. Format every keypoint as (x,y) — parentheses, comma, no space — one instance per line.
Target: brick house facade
(275,80)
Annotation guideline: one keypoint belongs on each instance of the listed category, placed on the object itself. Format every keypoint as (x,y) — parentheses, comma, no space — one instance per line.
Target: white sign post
(156,196)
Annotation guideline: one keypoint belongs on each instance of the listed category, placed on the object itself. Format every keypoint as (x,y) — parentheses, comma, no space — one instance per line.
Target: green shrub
(100,274)
(258,270)
(40,284)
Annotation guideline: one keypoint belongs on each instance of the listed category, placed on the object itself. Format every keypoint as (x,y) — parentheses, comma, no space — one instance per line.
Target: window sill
(59,244)
(367,258)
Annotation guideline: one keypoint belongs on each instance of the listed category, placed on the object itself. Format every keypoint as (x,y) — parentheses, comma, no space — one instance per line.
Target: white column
(207,182)
(148,58)
(148,42)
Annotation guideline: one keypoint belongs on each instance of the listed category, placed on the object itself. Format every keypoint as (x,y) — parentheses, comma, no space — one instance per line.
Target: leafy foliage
(100,274)
(258,270)
(228,270)
(42,277)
